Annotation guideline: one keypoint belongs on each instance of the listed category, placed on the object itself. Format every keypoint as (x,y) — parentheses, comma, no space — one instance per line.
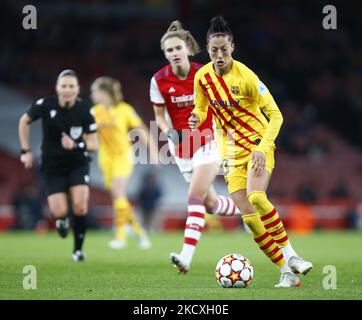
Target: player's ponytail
(117,91)
(219,27)
(111,86)
(176,30)
(175,26)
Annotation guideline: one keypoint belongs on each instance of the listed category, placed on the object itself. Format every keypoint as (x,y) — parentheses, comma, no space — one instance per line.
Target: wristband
(23,151)
(175,136)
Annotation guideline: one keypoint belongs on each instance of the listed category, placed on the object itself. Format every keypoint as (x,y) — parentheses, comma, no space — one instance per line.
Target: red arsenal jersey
(178,97)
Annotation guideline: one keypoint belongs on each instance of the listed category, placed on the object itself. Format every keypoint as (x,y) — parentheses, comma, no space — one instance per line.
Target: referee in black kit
(69,132)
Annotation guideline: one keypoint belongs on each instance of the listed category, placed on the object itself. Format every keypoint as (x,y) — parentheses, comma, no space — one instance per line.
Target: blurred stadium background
(314,74)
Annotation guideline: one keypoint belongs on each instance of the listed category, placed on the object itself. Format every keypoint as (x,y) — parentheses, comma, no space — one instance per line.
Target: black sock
(79,229)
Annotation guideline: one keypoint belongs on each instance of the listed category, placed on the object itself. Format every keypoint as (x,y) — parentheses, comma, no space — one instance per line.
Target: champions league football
(234,271)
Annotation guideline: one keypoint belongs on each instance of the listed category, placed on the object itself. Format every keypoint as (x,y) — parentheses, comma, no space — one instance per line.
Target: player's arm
(174,135)
(272,111)
(34,113)
(261,95)
(90,138)
(159,109)
(91,141)
(159,106)
(26,156)
(199,113)
(161,121)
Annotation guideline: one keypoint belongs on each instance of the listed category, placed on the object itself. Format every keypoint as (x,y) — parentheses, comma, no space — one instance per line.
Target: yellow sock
(264,240)
(135,225)
(269,216)
(122,210)
(121,233)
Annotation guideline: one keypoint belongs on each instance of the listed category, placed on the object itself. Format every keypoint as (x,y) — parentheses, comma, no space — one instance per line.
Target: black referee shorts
(61,182)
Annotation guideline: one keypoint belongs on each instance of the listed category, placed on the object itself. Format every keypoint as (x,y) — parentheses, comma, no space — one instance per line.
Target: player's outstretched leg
(271,249)
(220,205)
(223,206)
(195,223)
(272,223)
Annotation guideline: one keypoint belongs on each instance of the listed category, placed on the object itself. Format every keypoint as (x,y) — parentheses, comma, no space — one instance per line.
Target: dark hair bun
(219,25)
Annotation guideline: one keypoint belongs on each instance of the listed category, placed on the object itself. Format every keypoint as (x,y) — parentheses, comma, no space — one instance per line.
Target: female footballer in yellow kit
(239,100)
(115,118)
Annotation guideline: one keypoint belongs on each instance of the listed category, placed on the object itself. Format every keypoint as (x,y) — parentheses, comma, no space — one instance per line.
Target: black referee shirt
(74,121)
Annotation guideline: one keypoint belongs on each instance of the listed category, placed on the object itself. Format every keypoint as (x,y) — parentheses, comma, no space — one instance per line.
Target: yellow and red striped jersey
(241,104)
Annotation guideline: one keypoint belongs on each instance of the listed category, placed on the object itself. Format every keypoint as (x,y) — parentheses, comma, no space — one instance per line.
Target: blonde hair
(175,30)
(111,86)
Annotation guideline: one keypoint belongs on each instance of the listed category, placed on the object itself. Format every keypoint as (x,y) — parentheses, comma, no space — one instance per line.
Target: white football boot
(144,243)
(180,263)
(298,265)
(117,244)
(287,280)
(78,256)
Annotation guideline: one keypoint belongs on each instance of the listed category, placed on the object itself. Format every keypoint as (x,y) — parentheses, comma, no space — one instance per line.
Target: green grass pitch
(136,274)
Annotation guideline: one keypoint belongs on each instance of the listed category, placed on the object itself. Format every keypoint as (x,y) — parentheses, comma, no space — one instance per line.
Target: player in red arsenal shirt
(195,152)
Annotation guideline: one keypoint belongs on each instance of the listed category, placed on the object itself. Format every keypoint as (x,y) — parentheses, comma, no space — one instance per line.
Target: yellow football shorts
(113,168)
(236,176)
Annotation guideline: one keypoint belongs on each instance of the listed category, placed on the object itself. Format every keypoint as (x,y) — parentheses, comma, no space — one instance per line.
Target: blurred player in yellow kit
(248,122)
(115,118)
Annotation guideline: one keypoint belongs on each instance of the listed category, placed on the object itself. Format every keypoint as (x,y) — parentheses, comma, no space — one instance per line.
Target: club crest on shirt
(235,89)
(76,132)
(53,113)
